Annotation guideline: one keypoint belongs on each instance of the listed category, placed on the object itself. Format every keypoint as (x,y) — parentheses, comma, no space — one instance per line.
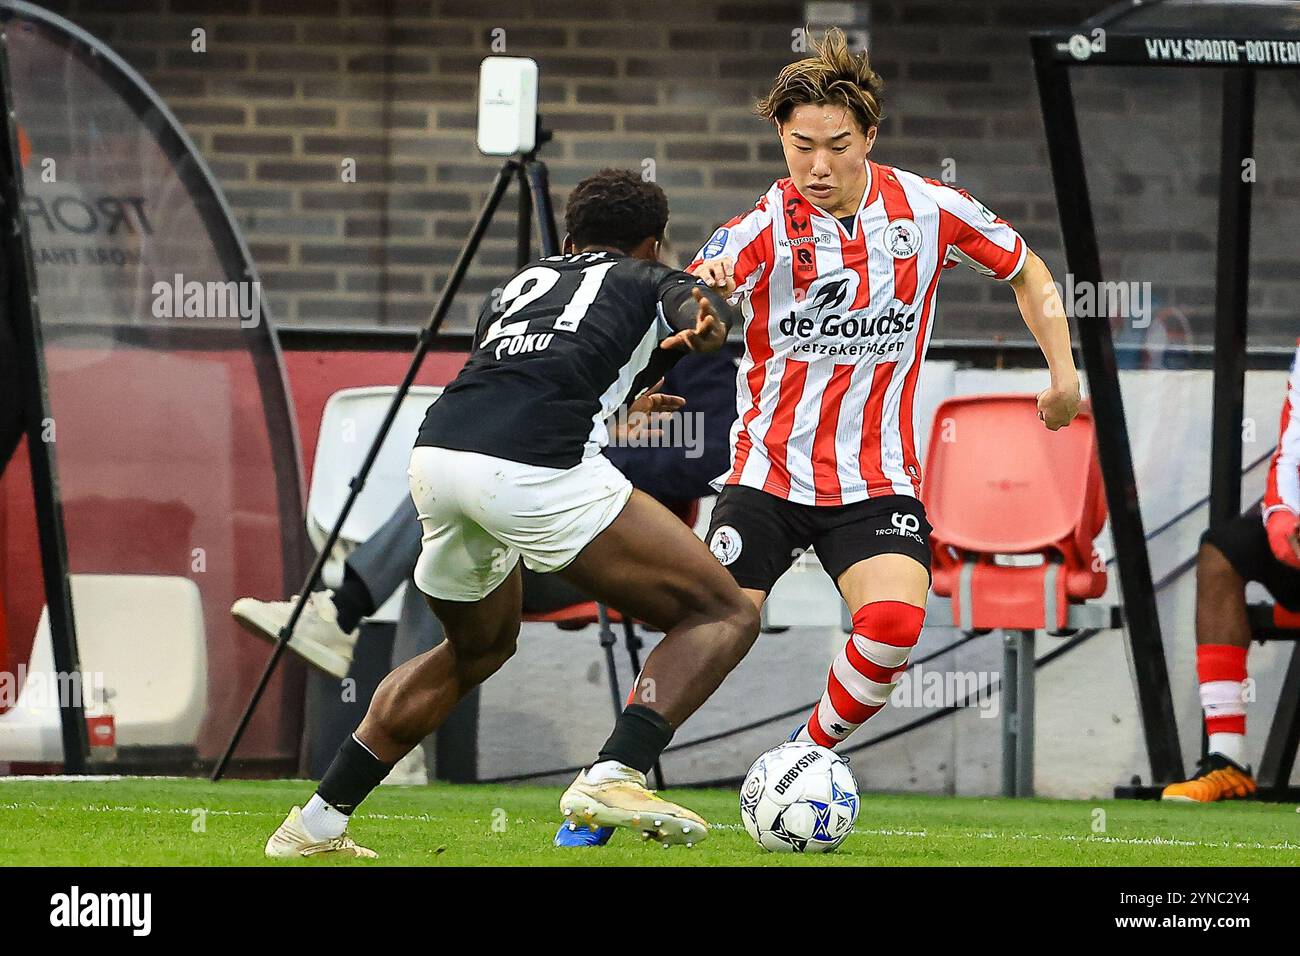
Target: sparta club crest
(902,238)
(726,544)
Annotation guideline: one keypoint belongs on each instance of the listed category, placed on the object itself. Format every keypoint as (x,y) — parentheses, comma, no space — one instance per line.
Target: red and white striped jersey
(1282,490)
(837,322)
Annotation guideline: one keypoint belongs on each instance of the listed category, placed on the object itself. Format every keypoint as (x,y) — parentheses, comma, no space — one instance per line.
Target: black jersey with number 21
(554,356)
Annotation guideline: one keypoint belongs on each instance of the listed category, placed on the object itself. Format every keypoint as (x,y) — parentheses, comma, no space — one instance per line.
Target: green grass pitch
(152,821)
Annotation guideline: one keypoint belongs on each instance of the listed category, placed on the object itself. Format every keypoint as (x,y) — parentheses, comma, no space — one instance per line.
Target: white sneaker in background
(317,637)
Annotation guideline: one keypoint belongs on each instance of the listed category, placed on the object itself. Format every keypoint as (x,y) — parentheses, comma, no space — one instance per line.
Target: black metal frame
(1278,759)
(1232,277)
(1055,52)
(22,310)
(235,260)
(1113,446)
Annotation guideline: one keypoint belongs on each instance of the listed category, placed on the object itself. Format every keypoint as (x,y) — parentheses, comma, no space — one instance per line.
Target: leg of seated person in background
(887,593)
(326,634)
(379,566)
(1220,600)
(1222,640)
(649,565)
(1230,554)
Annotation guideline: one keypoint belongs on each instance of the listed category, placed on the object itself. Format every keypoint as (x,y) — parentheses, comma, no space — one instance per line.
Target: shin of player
(865,671)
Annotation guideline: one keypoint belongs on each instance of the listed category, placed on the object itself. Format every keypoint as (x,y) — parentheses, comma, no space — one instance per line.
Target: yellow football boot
(1216,778)
(625,802)
(292,839)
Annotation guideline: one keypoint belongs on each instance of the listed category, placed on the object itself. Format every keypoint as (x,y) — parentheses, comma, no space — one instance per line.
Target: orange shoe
(1217,778)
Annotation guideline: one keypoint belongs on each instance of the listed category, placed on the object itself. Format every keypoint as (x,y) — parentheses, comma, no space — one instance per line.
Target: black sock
(353,774)
(352,600)
(640,736)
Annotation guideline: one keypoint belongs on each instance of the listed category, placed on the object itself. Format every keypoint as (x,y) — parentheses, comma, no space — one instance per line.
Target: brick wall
(290,88)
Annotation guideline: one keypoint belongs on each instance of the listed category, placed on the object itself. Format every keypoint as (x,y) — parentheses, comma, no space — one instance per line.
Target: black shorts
(758,536)
(1244,542)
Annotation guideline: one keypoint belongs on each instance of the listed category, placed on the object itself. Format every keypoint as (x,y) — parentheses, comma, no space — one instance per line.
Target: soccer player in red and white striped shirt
(1261,545)
(837,266)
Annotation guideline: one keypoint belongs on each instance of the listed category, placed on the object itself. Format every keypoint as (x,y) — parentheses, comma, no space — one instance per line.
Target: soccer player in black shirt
(508,465)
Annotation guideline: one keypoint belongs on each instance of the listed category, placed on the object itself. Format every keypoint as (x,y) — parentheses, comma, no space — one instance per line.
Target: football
(799,798)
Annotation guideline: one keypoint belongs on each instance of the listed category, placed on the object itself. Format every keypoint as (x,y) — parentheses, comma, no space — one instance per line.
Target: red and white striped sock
(864,673)
(1221,670)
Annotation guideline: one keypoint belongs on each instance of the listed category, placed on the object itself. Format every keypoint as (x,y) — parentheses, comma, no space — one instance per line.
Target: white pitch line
(69,778)
(1054,838)
(858,831)
(187,811)
(101,778)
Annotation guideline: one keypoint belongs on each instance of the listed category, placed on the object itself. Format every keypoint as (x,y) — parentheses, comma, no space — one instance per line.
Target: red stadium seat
(574,617)
(998,483)
(1015,511)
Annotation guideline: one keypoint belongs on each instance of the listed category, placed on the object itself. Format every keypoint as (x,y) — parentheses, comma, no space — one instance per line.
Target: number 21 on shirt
(530,285)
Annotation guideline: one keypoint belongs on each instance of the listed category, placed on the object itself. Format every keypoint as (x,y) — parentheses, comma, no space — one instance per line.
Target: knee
(1213,566)
(476,663)
(739,620)
(886,631)
(502,647)
(502,651)
(736,618)
(1209,549)
(744,620)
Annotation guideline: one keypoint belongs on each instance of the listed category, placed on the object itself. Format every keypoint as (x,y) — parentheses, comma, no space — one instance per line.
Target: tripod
(534,192)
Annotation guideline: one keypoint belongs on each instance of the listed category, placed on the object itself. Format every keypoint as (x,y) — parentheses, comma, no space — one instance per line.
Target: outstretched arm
(1041,308)
(701,317)
(989,245)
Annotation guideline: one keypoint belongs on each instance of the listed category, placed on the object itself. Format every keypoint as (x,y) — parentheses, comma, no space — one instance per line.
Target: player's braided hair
(615,207)
(834,74)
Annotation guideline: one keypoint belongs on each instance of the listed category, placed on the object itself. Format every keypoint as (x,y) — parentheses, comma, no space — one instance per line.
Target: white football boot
(317,637)
(292,839)
(626,802)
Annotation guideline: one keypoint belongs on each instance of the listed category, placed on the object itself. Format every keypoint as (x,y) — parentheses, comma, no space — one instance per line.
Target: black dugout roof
(1254,34)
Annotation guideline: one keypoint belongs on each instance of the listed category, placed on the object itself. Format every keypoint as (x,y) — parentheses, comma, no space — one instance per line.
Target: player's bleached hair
(833,74)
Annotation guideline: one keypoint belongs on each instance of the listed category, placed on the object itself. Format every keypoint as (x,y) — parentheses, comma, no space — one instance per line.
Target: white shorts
(480,513)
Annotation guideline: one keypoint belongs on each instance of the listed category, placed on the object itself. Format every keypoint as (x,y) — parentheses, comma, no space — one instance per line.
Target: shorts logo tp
(904,524)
